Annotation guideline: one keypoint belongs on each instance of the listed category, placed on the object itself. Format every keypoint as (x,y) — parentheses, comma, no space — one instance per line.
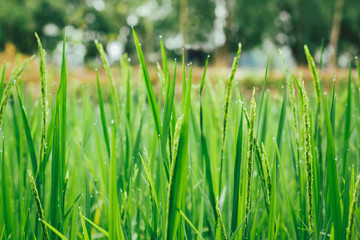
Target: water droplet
(112,121)
(160,36)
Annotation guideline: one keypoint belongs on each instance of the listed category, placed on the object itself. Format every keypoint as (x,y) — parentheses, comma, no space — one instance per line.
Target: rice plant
(135,161)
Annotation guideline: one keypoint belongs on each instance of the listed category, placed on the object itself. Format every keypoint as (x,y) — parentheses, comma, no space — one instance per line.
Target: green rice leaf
(2,81)
(347,125)
(11,83)
(149,90)
(102,114)
(146,221)
(190,223)
(59,234)
(226,109)
(148,176)
(167,118)
(236,191)
(179,171)
(29,138)
(332,176)
(106,66)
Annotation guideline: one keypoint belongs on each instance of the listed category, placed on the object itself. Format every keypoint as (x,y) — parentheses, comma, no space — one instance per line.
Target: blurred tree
(55,15)
(249,22)
(200,25)
(308,23)
(17,25)
(335,30)
(199,20)
(349,39)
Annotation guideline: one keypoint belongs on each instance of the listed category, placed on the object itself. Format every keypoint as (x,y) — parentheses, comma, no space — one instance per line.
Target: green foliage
(203,24)
(156,177)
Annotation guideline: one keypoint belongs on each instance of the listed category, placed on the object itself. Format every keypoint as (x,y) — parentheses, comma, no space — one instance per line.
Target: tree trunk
(335,31)
(183,22)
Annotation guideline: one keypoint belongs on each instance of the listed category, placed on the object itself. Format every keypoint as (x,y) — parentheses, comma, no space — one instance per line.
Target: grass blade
(149,90)
(314,73)
(226,109)
(12,82)
(146,221)
(347,126)
(62,133)
(43,143)
(38,205)
(2,81)
(115,228)
(190,223)
(148,176)
(55,177)
(59,234)
(85,230)
(272,215)
(349,229)
(205,152)
(250,153)
(106,65)
(332,176)
(236,191)
(178,171)
(167,117)
(102,114)
(29,138)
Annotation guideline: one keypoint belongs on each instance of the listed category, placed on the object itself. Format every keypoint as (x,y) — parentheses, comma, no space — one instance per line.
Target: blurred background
(202,27)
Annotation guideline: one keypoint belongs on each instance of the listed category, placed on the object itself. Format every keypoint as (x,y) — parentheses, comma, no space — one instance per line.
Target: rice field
(217,162)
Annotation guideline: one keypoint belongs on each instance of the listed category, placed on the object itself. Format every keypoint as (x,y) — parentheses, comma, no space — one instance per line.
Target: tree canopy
(199,25)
